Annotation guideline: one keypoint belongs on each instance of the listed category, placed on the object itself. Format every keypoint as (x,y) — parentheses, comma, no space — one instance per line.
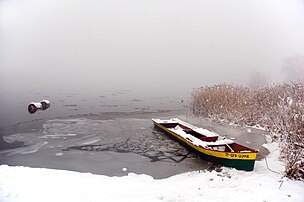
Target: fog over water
(145,44)
(155,48)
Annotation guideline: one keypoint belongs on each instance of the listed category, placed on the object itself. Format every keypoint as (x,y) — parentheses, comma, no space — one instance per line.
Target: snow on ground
(39,184)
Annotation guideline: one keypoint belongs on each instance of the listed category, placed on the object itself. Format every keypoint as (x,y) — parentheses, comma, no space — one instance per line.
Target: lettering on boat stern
(242,156)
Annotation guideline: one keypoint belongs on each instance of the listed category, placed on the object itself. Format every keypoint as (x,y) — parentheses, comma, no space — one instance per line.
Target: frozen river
(110,135)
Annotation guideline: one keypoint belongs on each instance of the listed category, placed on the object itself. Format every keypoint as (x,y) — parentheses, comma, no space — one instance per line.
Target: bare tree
(258,80)
(293,69)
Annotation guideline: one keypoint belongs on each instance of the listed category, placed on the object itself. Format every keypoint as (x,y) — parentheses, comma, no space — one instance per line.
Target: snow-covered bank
(40,184)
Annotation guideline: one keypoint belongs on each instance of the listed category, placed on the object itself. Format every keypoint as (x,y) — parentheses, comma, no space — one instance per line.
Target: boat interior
(233,147)
(190,131)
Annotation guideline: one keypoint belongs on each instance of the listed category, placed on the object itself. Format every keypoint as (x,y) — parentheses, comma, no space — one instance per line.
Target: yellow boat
(209,145)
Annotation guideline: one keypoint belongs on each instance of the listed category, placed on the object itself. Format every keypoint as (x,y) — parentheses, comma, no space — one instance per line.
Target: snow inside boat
(209,145)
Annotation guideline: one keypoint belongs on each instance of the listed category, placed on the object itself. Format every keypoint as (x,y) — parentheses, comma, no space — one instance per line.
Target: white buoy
(45,104)
(34,106)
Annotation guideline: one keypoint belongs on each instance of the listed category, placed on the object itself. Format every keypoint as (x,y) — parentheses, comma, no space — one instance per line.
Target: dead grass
(278,108)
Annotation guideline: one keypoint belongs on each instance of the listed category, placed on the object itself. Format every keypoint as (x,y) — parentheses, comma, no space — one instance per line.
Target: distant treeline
(278,108)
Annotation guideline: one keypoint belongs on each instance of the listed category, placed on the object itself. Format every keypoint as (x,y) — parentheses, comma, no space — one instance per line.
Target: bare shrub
(278,108)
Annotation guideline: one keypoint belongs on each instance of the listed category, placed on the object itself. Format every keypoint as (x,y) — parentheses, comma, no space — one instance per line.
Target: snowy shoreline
(41,184)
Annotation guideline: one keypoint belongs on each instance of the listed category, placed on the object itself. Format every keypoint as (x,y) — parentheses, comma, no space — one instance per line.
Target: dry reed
(278,108)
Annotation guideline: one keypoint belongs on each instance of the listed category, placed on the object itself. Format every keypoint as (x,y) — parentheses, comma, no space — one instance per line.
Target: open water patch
(160,151)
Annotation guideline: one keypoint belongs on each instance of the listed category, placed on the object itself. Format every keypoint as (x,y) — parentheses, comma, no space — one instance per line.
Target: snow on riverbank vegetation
(18,184)
(278,108)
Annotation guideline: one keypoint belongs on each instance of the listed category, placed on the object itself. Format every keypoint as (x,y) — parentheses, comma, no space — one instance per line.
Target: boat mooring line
(269,168)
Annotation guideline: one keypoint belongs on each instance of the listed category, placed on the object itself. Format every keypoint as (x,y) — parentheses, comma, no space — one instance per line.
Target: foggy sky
(145,44)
